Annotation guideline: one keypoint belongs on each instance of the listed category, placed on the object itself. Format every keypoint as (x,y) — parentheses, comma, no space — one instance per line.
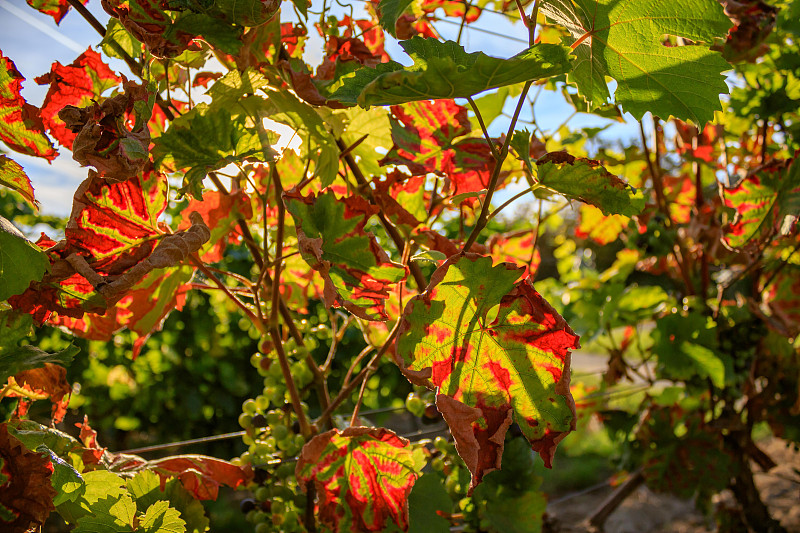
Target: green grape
(255,360)
(251,516)
(262,449)
(247,439)
(262,527)
(279,431)
(285,444)
(275,370)
(245,458)
(278,507)
(437,464)
(290,517)
(262,403)
(441,444)
(299,441)
(261,494)
(415,405)
(260,517)
(245,420)
(274,417)
(249,406)
(284,470)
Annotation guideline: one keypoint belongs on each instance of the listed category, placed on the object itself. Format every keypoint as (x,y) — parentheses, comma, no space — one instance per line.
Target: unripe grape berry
(263,527)
(279,431)
(245,420)
(249,406)
(261,494)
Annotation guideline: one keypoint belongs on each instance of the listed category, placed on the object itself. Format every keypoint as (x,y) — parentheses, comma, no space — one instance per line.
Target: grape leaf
(363,477)
(588,181)
(445,70)
(161,518)
(390,11)
(427,498)
(13,176)
(782,297)
(76,84)
(20,126)
(26,495)
(208,138)
(623,40)
(401,198)
(358,273)
(766,199)
(142,310)
(104,140)
(48,382)
(145,488)
(200,475)
(104,507)
(220,211)
(425,134)
(516,247)
(55,8)
(496,352)
(21,262)
(67,482)
(600,228)
(249,12)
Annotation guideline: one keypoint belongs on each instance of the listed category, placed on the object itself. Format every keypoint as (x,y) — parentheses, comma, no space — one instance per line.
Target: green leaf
(206,139)
(15,327)
(104,507)
(496,352)
(357,272)
(226,37)
(623,40)
(432,256)
(161,518)
(118,37)
(21,261)
(374,123)
(390,11)
(66,480)
(13,176)
(145,488)
(446,70)
(248,12)
(588,181)
(521,144)
(363,477)
(427,497)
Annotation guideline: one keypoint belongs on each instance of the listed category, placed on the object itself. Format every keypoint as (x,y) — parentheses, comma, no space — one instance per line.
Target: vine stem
(235,299)
(483,218)
(350,387)
(512,200)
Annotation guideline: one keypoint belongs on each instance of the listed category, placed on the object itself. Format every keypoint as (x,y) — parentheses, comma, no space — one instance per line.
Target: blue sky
(33,41)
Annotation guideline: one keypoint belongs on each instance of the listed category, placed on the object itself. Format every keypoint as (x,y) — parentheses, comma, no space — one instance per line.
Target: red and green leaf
(363,477)
(142,310)
(782,296)
(588,181)
(76,84)
(48,382)
(425,135)
(401,198)
(220,211)
(13,176)
(55,8)
(20,126)
(517,248)
(358,273)
(601,228)
(767,199)
(200,475)
(496,352)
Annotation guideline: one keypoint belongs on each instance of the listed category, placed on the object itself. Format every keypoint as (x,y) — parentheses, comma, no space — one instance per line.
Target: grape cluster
(272,434)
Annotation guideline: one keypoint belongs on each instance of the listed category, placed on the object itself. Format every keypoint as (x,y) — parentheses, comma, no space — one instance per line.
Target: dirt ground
(647,512)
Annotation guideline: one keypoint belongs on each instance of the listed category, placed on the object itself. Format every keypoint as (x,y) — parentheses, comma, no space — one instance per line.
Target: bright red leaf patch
(363,477)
